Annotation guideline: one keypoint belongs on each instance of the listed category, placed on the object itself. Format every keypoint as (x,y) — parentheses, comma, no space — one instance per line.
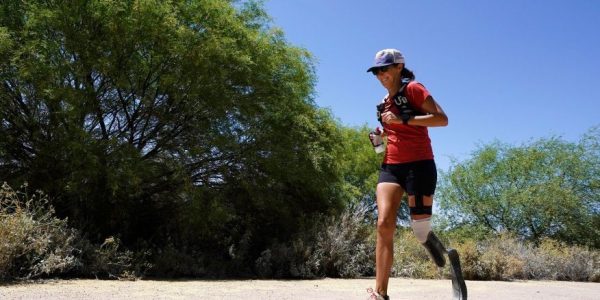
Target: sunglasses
(383,69)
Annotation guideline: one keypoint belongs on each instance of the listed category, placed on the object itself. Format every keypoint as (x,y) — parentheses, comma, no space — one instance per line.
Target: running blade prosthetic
(458,283)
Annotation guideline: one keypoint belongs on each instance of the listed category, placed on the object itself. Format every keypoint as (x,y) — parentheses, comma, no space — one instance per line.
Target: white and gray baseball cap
(387,57)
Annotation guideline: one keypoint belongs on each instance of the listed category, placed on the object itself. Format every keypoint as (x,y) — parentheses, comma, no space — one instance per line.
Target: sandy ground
(295,289)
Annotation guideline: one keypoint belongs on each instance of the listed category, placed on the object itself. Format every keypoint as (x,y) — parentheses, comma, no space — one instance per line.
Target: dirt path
(400,289)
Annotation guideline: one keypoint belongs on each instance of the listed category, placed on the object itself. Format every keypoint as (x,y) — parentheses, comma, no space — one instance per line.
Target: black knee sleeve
(419,208)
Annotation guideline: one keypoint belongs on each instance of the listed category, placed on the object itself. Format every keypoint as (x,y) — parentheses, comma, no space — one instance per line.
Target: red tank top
(407,143)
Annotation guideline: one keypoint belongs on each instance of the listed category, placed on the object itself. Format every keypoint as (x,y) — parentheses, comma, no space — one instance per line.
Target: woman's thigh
(389,196)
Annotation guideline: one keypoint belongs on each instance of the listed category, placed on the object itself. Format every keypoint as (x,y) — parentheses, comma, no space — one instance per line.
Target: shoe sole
(458,283)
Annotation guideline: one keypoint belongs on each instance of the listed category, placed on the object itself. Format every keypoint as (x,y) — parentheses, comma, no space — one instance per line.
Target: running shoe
(375,296)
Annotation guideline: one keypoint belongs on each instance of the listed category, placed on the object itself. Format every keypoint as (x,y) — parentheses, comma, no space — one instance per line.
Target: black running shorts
(416,178)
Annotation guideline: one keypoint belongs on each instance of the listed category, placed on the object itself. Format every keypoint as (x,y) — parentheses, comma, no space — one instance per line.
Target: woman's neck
(395,87)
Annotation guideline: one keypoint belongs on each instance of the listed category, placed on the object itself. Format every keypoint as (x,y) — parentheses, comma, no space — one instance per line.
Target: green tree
(546,188)
(359,165)
(183,123)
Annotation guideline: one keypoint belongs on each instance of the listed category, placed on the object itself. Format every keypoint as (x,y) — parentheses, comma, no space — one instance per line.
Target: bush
(34,242)
(288,260)
(344,246)
(108,260)
(340,246)
(175,261)
(502,258)
(507,258)
(411,258)
(37,244)
(555,260)
(469,257)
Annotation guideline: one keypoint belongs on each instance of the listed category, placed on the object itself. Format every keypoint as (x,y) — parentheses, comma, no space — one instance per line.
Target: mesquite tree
(164,122)
(545,188)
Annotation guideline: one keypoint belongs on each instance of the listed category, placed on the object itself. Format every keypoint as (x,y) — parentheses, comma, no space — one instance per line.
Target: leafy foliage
(547,188)
(185,124)
(359,165)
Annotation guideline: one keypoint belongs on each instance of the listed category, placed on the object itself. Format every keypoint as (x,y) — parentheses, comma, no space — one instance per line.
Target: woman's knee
(386,225)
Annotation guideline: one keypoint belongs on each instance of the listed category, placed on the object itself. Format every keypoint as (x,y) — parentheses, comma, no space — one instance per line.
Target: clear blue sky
(511,70)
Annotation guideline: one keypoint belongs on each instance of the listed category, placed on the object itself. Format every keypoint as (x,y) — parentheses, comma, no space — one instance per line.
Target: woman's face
(389,76)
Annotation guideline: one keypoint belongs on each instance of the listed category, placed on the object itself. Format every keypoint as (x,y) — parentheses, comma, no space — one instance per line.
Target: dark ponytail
(407,73)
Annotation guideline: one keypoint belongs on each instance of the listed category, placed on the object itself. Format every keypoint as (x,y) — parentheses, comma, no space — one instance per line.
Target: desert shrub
(344,246)
(501,258)
(342,249)
(469,256)
(110,261)
(174,261)
(505,257)
(34,242)
(553,260)
(411,258)
(338,246)
(479,260)
(288,260)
